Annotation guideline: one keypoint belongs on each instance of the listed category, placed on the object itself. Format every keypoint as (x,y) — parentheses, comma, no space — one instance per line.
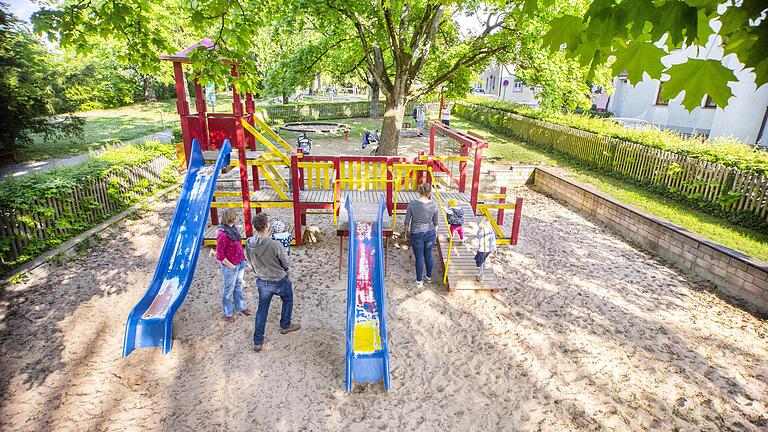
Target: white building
(499,81)
(744,118)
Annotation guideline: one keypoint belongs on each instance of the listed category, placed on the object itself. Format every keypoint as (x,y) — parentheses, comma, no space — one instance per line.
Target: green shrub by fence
(39,212)
(740,195)
(327,111)
(723,150)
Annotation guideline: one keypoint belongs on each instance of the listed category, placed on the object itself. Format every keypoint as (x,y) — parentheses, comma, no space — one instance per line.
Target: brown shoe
(291,328)
(257,348)
(229,319)
(246,312)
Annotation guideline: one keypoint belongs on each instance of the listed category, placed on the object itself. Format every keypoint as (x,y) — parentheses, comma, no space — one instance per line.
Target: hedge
(726,151)
(740,196)
(41,211)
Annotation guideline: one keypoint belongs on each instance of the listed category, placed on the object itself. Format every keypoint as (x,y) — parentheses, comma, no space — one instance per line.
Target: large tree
(29,85)
(411,48)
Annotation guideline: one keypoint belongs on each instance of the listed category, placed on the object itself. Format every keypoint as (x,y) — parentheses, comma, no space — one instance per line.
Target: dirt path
(589,334)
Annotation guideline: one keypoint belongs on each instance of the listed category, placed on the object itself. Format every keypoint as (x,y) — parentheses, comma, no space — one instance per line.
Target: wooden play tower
(273,174)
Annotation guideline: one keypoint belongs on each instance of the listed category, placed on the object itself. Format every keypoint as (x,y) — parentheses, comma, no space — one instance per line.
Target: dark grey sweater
(421,216)
(267,258)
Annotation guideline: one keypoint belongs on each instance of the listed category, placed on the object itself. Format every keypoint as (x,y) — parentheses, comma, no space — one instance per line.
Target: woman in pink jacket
(229,251)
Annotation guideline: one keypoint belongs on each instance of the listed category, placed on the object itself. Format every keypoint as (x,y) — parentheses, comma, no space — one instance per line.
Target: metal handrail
(447,227)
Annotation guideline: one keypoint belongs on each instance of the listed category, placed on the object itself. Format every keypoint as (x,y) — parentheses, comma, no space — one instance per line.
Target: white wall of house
(742,118)
(492,81)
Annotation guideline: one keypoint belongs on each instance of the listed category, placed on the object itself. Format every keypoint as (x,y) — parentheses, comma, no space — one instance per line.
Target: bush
(26,198)
(726,151)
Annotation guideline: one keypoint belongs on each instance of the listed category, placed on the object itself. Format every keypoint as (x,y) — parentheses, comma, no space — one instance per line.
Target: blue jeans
(282,288)
(422,244)
(233,288)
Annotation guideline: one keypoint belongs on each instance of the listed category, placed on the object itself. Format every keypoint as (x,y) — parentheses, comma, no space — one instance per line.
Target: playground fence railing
(29,232)
(742,194)
(328,111)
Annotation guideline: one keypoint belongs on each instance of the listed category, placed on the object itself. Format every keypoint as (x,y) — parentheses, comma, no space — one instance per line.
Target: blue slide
(367,350)
(150,323)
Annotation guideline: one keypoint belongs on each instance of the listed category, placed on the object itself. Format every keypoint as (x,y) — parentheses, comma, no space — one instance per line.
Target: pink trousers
(457,229)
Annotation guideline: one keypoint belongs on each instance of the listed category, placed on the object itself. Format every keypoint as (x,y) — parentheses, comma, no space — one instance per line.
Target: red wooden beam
(296,203)
(182,107)
(516,220)
(237,111)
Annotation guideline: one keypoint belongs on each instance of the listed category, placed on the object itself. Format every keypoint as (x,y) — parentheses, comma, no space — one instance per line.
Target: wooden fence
(85,205)
(732,189)
(330,110)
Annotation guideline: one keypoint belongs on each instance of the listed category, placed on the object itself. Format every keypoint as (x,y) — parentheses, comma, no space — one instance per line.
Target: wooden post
(201,109)
(296,203)
(476,174)
(516,220)
(182,108)
(432,140)
(237,112)
(500,213)
(390,188)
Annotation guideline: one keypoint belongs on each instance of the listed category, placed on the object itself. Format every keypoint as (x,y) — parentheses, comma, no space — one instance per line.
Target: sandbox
(588,333)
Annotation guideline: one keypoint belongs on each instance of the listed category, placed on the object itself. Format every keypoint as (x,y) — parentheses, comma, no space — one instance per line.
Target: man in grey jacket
(268,260)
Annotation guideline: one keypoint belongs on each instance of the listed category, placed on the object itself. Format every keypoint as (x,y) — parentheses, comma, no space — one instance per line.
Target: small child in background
(280,234)
(455,215)
(487,239)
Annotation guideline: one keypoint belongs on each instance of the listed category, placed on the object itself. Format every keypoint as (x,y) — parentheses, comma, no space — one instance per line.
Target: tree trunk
(149,91)
(393,122)
(285,98)
(374,88)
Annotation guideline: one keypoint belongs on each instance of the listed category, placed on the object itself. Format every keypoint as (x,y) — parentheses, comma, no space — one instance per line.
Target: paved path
(24,168)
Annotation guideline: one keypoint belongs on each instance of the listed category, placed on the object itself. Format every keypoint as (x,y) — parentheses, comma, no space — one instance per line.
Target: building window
(493,82)
(709,103)
(517,87)
(660,100)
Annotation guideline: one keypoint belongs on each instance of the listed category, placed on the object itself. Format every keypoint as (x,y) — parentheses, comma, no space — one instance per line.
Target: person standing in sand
(270,263)
(420,228)
(229,252)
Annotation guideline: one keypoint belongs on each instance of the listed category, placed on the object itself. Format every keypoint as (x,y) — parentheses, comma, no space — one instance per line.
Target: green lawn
(507,149)
(103,127)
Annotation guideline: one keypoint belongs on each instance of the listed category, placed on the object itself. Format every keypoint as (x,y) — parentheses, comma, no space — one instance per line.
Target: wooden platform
(212,155)
(325,196)
(462,269)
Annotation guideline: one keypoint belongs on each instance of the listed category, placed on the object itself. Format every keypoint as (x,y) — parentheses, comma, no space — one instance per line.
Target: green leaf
(699,78)
(563,30)
(678,20)
(639,57)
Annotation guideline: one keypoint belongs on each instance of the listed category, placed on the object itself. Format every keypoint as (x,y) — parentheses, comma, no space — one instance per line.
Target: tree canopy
(27,88)
(408,49)
(633,36)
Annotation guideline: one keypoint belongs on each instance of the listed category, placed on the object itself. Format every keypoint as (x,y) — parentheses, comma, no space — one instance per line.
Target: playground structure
(278,176)
(372,188)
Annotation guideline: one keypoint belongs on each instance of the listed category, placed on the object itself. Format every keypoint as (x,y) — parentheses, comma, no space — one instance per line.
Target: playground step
(462,269)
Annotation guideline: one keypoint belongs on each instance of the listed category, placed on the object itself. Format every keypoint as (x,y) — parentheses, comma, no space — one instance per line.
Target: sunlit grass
(746,240)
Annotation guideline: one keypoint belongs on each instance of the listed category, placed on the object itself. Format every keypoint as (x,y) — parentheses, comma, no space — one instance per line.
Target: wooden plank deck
(462,269)
(212,155)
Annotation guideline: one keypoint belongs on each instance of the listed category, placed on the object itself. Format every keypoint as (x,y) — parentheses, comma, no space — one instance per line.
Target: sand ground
(587,334)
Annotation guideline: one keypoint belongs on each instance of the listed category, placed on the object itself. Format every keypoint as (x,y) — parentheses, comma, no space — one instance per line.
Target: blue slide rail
(150,323)
(369,366)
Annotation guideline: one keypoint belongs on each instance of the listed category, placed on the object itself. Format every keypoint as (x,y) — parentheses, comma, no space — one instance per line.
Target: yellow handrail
(447,227)
(275,151)
(362,181)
